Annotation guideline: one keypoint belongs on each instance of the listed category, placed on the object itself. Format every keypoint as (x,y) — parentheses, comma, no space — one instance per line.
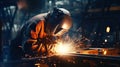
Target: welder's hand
(49,40)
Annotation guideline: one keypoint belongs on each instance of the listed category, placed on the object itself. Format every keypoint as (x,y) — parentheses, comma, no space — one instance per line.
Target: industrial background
(96,23)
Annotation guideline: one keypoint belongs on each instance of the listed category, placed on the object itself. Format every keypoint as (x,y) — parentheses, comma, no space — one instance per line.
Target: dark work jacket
(17,47)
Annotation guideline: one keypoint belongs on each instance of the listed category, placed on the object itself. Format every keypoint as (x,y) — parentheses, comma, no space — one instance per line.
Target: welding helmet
(59,20)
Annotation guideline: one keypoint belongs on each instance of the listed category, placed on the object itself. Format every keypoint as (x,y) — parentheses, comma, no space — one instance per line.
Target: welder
(38,33)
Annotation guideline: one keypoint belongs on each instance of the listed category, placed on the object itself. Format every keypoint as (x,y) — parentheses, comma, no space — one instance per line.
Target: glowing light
(65,26)
(105,52)
(105,40)
(63,48)
(37,64)
(108,29)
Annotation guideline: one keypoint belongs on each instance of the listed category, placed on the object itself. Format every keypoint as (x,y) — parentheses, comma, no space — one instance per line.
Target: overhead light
(106,40)
(107,29)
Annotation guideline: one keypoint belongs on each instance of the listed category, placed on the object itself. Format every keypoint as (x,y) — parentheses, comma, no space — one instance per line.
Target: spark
(63,48)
